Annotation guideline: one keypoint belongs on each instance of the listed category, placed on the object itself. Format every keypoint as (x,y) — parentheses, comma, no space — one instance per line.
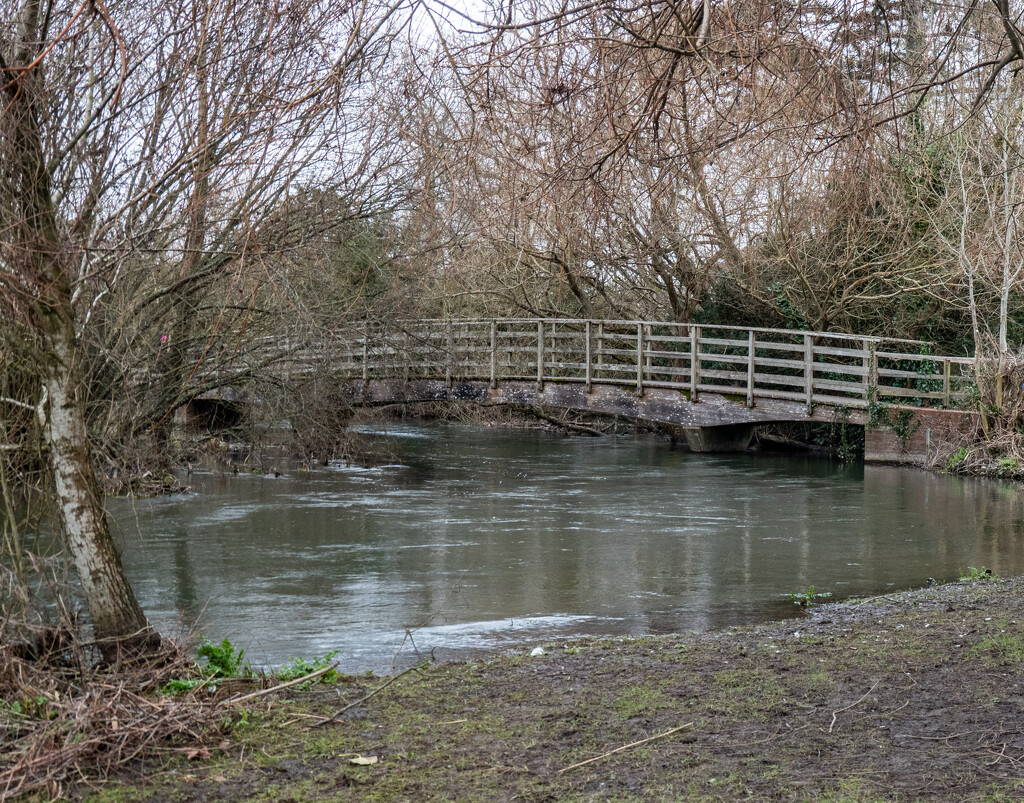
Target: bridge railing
(744,363)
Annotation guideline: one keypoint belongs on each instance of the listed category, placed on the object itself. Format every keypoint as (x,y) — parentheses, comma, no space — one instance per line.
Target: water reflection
(475,537)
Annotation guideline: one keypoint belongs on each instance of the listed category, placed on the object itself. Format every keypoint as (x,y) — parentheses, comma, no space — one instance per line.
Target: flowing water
(467,539)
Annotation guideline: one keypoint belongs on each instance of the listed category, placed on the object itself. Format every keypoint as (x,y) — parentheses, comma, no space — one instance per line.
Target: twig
(367,697)
(278,687)
(837,712)
(625,747)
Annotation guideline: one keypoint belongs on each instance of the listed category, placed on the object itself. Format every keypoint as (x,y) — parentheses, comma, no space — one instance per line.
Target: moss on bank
(913,696)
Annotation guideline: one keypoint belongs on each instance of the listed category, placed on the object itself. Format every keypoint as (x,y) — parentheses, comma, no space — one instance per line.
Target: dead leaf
(192,753)
(363,761)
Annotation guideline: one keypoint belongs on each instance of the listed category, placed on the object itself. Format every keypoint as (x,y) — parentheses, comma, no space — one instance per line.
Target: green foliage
(38,707)
(793,317)
(848,445)
(878,413)
(223,660)
(973,573)
(806,599)
(299,667)
(904,424)
(956,458)
(847,440)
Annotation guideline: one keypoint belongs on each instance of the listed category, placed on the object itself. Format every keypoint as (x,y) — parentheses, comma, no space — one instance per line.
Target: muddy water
(466,539)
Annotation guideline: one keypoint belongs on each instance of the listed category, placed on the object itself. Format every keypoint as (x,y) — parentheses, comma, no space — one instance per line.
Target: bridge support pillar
(725,438)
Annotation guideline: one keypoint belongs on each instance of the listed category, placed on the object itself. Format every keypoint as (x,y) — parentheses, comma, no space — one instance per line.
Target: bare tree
(143,150)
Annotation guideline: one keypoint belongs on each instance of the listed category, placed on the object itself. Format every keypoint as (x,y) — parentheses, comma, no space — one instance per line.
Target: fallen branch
(625,747)
(279,686)
(569,425)
(367,697)
(838,711)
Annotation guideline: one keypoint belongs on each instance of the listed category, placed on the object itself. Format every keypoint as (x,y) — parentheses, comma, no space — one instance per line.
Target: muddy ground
(911,696)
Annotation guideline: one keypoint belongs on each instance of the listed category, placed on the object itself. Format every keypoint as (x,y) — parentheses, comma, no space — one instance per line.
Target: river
(462,539)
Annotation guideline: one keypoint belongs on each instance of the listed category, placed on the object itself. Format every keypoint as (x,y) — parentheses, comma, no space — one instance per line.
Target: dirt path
(912,696)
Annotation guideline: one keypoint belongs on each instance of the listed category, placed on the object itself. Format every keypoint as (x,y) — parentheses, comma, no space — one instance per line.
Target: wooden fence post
(694,361)
(366,352)
(809,371)
(873,374)
(589,377)
(494,353)
(540,356)
(639,359)
(448,355)
(750,368)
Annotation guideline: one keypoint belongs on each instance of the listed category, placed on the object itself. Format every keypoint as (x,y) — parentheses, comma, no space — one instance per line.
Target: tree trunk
(117,619)
(35,238)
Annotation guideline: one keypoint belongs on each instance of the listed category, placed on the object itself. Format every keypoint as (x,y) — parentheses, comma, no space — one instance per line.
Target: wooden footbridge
(713,382)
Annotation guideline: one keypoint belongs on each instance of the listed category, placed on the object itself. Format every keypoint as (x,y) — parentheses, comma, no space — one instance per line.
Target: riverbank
(909,696)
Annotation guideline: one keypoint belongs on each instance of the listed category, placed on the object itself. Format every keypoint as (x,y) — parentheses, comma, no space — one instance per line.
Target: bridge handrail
(680,324)
(836,369)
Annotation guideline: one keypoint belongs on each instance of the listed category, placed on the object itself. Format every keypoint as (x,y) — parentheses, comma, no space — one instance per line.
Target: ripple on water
(621,536)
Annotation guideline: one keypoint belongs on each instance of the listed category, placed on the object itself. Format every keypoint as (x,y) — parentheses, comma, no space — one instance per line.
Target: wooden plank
(717,341)
(738,359)
(909,393)
(840,401)
(670,370)
(788,395)
(773,362)
(892,372)
(833,368)
(739,376)
(681,339)
(794,348)
(656,383)
(849,387)
(778,379)
(619,368)
(894,355)
(828,351)
(725,390)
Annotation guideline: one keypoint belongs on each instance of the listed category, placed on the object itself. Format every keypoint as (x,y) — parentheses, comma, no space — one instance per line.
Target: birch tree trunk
(117,619)
(34,248)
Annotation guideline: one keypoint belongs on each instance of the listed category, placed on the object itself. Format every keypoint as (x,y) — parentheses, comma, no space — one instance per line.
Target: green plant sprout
(806,599)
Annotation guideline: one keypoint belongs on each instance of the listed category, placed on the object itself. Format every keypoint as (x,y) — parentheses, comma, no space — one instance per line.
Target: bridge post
(639,359)
(870,372)
(648,362)
(449,345)
(494,353)
(945,383)
(406,355)
(590,372)
(809,371)
(750,368)
(366,352)
(540,356)
(694,361)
